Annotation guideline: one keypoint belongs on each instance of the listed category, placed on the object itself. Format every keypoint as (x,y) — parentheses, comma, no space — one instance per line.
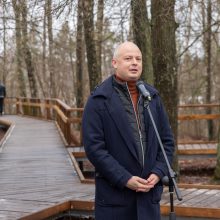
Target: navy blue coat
(110,146)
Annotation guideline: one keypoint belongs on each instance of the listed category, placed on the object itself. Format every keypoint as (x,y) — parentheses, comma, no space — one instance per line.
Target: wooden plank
(80,154)
(199,105)
(89,206)
(82,205)
(6,215)
(185,194)
(197,151)
(209,197)
(198,117)
(198,186)
(197,197)
(48,212)
(192,211)
(194,193)
(196,142)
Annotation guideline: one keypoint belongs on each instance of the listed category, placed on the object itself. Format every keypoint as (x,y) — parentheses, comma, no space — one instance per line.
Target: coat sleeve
(167,140)
(95,147)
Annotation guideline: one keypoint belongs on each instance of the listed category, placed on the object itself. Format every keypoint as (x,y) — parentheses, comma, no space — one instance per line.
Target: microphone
(143,90)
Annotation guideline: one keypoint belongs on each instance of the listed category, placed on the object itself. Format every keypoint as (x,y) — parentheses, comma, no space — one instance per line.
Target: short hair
(115,54)
(118,47)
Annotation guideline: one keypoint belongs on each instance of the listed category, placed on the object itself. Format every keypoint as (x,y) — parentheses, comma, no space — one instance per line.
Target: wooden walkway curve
(36,173)
(35,170)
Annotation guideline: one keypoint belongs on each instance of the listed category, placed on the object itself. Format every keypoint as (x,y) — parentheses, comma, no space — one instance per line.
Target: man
(120,142)
(2,96)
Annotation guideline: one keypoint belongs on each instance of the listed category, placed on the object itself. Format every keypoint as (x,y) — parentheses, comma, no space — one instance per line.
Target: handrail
(199,105)
(69,119)
(196,121)
(198,117)
(210,116)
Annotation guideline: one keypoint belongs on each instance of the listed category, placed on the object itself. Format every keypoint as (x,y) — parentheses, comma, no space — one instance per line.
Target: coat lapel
(119,116)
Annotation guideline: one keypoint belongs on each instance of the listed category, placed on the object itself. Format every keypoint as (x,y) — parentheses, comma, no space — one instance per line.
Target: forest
(63,49)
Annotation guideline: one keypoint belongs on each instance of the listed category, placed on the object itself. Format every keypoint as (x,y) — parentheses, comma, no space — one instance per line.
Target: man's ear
(114,63)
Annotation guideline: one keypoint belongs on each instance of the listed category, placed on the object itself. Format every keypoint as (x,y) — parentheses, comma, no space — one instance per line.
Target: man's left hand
(152,180)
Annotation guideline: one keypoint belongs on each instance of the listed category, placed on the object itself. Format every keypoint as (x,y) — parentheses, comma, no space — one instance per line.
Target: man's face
(128,62)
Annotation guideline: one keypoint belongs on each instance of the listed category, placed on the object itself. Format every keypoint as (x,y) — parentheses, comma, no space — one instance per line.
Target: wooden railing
(67,119)
(193,122)
(199,116)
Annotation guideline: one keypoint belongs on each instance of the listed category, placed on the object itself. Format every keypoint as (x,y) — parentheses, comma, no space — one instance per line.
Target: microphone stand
(168,181)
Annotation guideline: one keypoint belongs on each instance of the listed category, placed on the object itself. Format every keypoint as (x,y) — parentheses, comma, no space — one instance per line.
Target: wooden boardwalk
(36,173)
(35,170)
(198,150)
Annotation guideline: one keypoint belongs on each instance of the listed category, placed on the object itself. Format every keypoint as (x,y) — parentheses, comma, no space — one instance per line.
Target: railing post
(19,109)
(48,110)
(68,127)
(17,106)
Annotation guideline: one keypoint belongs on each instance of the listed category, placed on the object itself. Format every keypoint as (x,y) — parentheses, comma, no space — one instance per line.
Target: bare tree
(50,41)
(79,56)
(4,71)
(164,58)
(207,48)
(21,80)
(94,74)
(142,36)
(44,70)
(26,50)
(99,30)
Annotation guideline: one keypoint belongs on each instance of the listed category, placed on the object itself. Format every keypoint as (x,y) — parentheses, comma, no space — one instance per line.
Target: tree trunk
(79,57)
(21,80)
(94,74)
(217,169)
(44,70)
(99,30)
(207,43)
(4,44)
(26,51)
(164,59)
(142,37)
(51,57)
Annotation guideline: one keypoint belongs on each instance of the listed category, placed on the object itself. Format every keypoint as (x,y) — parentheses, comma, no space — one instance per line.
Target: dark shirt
(2,91)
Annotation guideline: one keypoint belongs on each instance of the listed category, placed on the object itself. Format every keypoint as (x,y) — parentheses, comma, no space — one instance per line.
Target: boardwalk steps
(197,150)
(38,180)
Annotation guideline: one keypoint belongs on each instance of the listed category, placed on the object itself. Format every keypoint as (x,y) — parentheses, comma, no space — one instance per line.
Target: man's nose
(134,61)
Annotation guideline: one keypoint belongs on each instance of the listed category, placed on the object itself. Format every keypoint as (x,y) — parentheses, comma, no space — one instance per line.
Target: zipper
(140,134)
(138,124)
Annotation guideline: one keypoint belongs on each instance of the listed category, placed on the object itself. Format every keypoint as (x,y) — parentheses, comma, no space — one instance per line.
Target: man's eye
(128,58)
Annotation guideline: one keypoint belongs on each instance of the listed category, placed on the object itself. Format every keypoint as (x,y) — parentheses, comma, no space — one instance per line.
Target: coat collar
(106,89)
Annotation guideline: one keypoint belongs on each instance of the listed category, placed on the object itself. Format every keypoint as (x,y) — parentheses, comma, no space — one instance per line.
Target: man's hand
(141,185)
(138,184)
(153,179)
